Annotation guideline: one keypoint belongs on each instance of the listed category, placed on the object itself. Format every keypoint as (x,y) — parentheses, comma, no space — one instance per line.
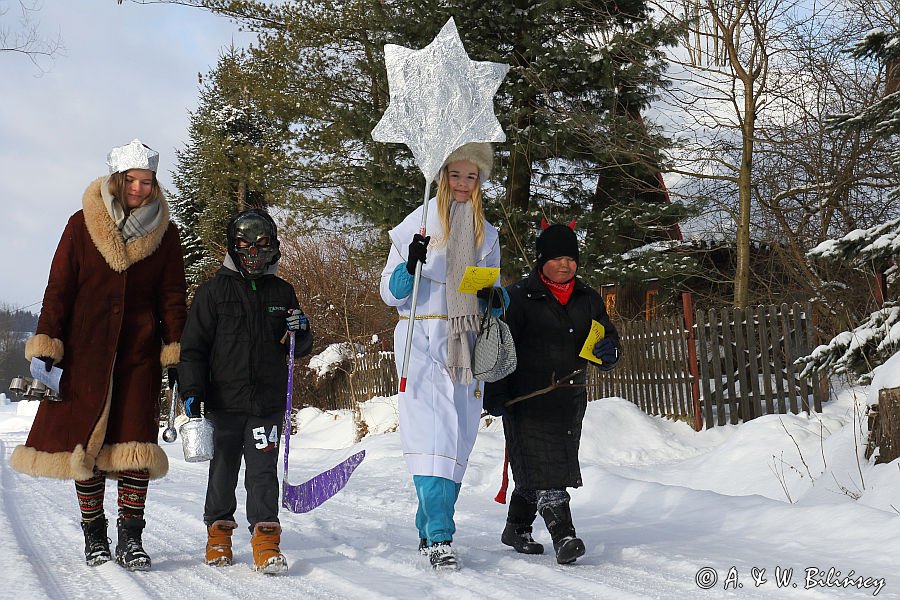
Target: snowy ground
(664,513)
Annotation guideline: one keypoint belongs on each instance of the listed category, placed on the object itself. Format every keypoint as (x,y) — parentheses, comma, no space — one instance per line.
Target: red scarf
(560,291)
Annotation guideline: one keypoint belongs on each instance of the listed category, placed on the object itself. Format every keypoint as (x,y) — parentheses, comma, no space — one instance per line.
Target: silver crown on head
(132,156)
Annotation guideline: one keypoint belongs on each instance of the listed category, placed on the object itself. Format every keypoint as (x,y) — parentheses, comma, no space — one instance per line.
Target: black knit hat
(555,241)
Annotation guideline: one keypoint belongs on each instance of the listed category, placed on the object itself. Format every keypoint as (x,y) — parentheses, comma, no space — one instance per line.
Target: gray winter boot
(559,523)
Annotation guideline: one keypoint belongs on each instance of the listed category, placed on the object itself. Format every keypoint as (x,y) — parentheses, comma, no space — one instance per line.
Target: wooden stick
(549,388)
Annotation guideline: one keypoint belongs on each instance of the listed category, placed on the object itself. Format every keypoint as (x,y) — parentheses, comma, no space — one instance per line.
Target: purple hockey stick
(306,496)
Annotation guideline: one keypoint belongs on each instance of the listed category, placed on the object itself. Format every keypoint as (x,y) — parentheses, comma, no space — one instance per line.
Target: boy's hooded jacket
(232,358)
(111,319)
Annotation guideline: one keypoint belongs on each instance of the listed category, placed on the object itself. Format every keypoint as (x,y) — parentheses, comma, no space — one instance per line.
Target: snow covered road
(652,514)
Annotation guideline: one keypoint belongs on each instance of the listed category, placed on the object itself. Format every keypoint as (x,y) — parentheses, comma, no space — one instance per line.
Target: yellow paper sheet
(598,332)
(476,278)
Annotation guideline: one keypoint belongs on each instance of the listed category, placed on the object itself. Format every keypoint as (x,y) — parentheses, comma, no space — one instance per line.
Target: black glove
(172,376)
(417,251)
(496,411)
(494,406)
(296,320)
(496,300)
(608,351)
(48,362)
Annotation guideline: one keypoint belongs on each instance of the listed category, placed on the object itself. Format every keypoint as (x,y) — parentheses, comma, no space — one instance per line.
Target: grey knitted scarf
(462,309)
(138,223)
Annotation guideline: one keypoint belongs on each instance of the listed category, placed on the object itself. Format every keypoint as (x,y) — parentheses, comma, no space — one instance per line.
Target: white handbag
(494,354)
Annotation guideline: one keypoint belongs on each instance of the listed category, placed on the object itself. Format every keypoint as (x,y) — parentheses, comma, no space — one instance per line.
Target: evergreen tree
(15,327)
(577,145)
(582,72)
(236,159)
(870,344)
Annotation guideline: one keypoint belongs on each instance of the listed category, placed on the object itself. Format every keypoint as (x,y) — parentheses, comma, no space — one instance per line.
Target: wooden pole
(687,301)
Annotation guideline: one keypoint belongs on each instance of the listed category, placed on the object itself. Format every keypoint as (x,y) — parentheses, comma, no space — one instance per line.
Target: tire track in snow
(53,541)
(179,530)
(13,501)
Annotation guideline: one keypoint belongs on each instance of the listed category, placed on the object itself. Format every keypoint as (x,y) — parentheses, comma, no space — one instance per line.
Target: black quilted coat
(543,433)
(232,357)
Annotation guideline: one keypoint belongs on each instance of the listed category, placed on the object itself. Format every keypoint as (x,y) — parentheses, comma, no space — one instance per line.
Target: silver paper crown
(132,156)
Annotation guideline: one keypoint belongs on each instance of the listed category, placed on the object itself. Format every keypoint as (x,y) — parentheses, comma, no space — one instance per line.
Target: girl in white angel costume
(441,406)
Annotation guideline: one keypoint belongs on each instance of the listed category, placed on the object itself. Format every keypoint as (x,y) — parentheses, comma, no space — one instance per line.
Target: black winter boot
(517,532)
(519,537)
(559,523)
(130,550)
(96,544)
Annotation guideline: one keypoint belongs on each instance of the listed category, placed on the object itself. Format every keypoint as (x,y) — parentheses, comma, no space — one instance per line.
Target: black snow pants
(256,440)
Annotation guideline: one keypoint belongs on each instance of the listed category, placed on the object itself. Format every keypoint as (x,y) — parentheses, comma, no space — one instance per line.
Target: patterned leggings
(132,494)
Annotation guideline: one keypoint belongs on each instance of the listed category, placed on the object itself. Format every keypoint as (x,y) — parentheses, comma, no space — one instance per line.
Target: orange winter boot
(218,543)
(267,556)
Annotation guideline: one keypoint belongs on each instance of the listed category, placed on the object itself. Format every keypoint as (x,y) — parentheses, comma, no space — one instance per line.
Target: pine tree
(582,72)
(577,144)
(199,261)
(870,344)
(236,159)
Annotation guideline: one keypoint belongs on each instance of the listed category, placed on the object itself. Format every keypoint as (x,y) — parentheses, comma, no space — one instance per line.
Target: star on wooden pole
(440,99)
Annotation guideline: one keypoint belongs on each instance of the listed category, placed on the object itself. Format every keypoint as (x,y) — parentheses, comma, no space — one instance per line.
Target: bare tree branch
(26,37)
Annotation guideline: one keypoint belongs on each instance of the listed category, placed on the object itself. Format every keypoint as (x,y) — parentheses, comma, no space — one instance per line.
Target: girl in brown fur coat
(111,319)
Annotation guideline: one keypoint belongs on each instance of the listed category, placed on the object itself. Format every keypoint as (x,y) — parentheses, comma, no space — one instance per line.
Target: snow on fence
(726,366)
(372,373)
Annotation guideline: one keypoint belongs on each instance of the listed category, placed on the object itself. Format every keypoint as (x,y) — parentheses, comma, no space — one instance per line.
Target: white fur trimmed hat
(134,155)
(480,153)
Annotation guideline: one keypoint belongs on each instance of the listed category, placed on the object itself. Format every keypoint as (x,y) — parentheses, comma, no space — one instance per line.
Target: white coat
(438,418)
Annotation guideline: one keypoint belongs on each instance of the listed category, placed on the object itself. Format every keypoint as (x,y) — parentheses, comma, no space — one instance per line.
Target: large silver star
(439,99)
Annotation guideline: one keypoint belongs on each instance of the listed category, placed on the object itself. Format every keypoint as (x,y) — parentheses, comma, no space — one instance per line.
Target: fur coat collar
(106,236)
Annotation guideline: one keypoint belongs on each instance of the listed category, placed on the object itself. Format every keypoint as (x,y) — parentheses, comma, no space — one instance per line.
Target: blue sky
(127,71)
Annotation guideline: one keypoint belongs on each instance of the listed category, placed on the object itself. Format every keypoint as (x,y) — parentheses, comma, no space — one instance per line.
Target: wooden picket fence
(741,367)
(747,359)
(727,366)
(373,375)
(654,371)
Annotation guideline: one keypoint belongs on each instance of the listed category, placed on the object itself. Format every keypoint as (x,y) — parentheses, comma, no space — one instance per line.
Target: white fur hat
(480,153)
(134,155)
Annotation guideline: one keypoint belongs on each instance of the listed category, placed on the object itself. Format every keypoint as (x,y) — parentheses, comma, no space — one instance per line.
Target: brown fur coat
(112,318)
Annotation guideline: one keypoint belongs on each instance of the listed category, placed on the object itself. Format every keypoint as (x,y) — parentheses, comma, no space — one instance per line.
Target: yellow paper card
(598,332)
(476,278)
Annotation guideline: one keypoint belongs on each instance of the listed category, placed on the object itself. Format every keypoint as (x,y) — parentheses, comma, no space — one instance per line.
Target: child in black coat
(550,316)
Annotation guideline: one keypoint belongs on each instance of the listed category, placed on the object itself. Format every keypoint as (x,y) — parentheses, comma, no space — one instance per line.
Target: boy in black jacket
(233,363)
